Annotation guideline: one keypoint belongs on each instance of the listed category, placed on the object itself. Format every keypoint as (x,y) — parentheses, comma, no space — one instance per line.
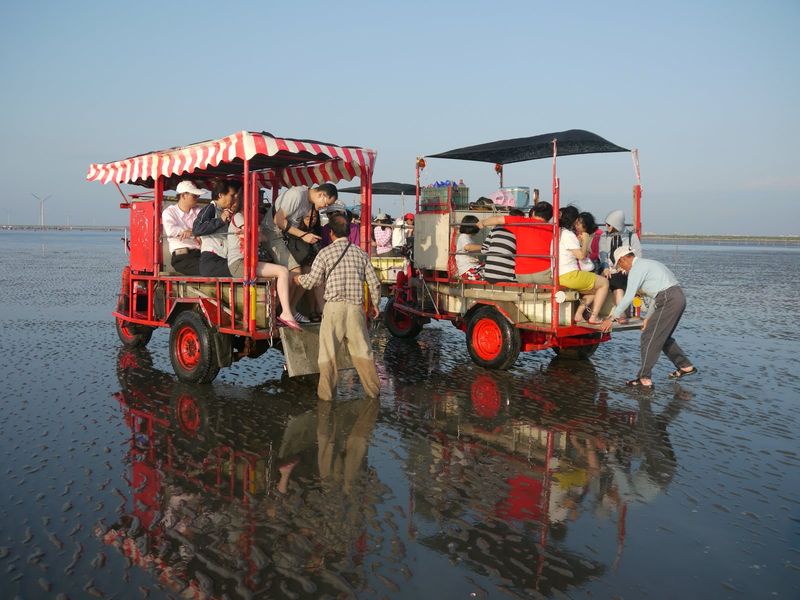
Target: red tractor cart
(215,321)
(500,320)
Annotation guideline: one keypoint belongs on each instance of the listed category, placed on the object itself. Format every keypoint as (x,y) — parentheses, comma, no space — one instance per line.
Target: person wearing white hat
(616,236)
(178,220)
(382,232)
(659,283)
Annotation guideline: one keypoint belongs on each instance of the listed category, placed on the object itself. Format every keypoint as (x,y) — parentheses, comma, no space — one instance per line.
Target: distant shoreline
(653,238)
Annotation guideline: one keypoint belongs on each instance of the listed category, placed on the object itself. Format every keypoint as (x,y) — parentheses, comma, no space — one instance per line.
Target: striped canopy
(301,162)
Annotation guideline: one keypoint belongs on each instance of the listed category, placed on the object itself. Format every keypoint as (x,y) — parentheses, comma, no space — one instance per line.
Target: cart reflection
(508,466)
(229,494)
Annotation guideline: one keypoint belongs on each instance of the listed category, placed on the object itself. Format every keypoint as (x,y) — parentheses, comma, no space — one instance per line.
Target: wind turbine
(41,207)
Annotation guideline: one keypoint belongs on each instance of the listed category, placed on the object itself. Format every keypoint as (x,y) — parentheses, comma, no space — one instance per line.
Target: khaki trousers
(343,322)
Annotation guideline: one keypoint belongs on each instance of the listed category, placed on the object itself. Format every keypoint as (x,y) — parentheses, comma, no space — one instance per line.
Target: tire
(133,336)
(578,352)
(492,341)
(400,324)
(191,349)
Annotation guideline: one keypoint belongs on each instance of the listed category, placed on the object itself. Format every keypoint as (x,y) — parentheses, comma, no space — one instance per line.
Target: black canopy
(574,141)
(385,188)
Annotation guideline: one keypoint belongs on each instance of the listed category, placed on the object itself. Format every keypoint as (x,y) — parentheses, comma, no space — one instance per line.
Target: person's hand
(479,224)
(226,215)
(374,313)
(310,238)
(607,273)
(606,325)
(185,234)
(644,323)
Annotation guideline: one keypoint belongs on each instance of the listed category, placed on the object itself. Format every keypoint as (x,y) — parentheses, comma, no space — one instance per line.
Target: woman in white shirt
(593,287)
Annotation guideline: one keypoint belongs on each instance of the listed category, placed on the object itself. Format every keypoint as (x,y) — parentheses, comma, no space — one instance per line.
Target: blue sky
(707,91)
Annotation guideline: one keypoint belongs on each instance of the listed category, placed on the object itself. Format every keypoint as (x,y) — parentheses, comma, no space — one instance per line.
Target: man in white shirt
(178,220)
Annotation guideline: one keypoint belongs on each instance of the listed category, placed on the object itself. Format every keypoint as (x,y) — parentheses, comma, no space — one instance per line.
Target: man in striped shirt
(343,268)
(500,249)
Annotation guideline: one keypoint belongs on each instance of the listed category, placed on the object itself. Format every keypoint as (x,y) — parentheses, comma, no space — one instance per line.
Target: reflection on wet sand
(507,466)
(235,494)
(224,492)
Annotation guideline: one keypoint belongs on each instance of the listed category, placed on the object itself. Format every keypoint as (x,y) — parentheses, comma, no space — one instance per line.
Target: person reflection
(341,448)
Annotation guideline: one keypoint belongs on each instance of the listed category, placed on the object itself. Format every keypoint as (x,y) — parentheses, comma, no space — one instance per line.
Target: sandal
(638,383)
(678,373)
(290,324)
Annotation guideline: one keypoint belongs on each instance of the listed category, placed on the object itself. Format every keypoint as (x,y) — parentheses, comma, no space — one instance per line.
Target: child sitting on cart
(469,268)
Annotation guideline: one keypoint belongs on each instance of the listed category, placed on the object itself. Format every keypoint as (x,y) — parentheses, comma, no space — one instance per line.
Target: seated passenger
(500,248)
(178,220)
(534,242)
(235,246)
(589,236)
(383,235)
(468,267)
(593,287)
(616,236)
(355,231)
(211,227)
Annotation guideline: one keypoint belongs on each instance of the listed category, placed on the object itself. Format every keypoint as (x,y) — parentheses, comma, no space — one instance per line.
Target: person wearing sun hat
(178,220)
(659,283)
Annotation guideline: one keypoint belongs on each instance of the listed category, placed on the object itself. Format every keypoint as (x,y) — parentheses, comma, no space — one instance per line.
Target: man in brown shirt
(344,268)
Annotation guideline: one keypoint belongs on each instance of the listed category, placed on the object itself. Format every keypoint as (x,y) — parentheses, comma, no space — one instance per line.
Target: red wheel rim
(188,414)
(402,320)
(188,348)
(487,339)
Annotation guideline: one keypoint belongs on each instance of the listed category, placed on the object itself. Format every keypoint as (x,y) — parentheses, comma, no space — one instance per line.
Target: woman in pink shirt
(383,235)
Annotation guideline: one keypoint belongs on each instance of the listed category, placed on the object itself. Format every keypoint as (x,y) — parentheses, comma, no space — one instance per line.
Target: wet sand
(549,479)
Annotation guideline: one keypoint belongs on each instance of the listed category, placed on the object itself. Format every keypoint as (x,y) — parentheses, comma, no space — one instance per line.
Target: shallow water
(550,479)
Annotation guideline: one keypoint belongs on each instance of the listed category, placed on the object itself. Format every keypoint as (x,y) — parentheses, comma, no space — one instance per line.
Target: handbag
(303,252)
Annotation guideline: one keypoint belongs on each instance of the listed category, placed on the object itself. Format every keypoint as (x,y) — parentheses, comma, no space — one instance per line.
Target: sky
(708,92)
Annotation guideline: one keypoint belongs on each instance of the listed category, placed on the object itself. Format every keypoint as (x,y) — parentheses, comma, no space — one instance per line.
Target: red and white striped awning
(301,162)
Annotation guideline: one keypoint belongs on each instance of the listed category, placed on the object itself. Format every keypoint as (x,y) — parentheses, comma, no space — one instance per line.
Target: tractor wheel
(191,349)
(578,352)
(400,324)
(133,336)
(492,341)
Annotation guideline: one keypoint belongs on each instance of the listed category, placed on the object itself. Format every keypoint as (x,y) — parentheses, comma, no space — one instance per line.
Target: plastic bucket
(522,195)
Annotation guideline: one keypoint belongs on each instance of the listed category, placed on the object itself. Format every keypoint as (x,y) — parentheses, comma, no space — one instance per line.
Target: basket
(435,198)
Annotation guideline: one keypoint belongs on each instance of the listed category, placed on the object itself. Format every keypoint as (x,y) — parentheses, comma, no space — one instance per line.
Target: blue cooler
(522,195)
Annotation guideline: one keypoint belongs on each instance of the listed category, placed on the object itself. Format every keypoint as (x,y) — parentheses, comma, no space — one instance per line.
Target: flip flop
(678,373)
(638,383)
(290,324)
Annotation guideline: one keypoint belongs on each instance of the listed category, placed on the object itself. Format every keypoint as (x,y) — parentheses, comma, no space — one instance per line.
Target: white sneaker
(300,318)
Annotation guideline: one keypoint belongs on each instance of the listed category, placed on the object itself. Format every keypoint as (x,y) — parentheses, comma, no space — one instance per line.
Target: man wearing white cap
(178,220)
(658,282)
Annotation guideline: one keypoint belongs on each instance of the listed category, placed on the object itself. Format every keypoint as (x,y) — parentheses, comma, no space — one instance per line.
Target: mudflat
(550,478)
